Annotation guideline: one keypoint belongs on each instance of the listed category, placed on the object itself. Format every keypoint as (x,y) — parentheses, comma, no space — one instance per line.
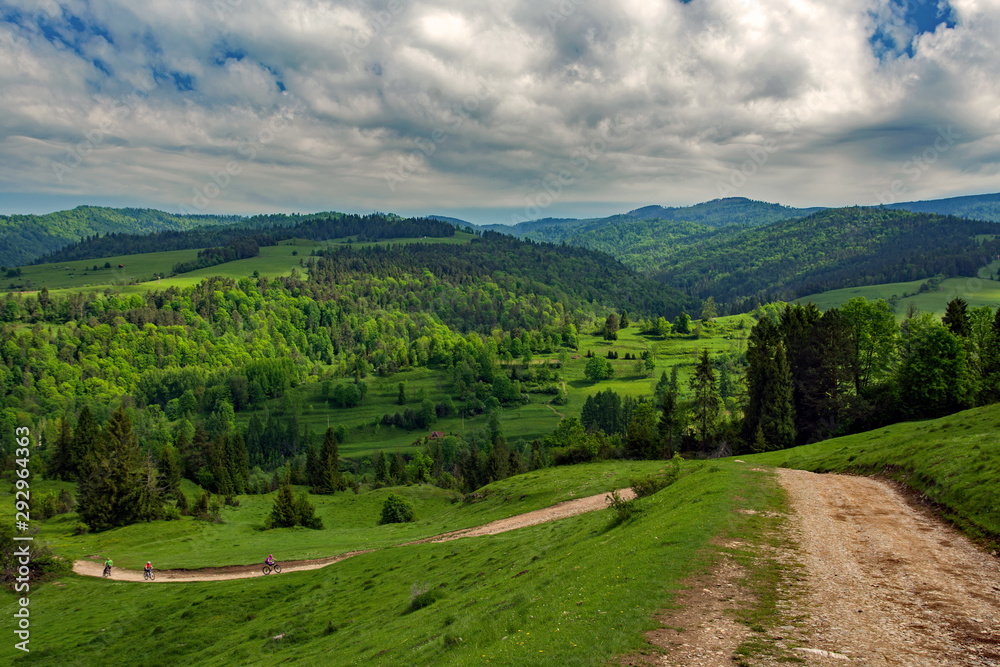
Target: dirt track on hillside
(558,511)
(888,584)
(883,584)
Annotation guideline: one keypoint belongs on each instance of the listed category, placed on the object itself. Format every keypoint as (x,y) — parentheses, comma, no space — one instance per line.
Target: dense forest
(827,250)
(974,207)
(25,238)
(261,230)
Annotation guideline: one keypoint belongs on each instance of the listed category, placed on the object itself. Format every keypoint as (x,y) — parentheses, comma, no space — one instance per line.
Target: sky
(494,112)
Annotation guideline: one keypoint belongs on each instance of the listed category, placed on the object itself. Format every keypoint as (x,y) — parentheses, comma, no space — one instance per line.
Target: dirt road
(555,512)
(886,584)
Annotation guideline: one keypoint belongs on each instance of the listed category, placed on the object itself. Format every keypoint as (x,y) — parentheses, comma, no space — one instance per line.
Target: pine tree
(86,440)
(498,461)
(169,470)
(624,322)
(769,389)
(284,513)
(706,397)
(669,424)
(611,326)
(118,487)
(312,467)
(60,466)
(956,318)
(305,513)
(239,463)
(397,470)
(381,467)
(329,465)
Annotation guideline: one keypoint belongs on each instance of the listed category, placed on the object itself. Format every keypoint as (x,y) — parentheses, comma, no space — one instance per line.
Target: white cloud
(480,105)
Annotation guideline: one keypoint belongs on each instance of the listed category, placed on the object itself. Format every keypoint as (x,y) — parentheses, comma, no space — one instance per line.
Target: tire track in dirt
(562,510)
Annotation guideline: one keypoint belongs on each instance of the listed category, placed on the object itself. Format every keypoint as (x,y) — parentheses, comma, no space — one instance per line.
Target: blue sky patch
(896,29)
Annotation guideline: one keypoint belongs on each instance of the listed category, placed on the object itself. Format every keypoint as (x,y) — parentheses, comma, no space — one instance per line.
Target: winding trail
(562,510)
(888,584)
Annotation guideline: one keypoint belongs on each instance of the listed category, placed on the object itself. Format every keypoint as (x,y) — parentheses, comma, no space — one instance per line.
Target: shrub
(423,596)
(647,486)
(396,509)
(81,529)
(623,509)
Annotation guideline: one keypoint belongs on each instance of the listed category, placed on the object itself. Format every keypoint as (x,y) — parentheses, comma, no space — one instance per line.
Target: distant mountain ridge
(975,207)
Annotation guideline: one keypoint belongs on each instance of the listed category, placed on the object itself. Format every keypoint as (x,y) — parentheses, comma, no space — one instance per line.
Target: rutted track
(558,511)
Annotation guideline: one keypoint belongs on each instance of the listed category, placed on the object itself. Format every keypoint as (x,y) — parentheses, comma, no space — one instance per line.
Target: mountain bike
(148,574)
(269,568)
(107,570)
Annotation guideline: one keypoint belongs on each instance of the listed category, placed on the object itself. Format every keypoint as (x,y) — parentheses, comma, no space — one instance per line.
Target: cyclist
(107,566)
(149,567)
(270,560)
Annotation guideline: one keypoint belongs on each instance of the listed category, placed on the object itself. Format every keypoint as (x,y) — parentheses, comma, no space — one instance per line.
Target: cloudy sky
(498,111)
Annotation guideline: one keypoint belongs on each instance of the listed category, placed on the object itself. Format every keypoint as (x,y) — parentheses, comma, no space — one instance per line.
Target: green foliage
(598,369)
(117,486)
(423,596)
(624,510)
(396,509)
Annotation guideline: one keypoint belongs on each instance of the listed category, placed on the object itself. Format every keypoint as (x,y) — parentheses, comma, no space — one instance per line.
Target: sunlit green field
(976,291)
(573,592)
(67,277)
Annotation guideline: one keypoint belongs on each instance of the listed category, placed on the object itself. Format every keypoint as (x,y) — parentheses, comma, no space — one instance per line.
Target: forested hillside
(827,250)
(262,230)
(975,207)
(24,238)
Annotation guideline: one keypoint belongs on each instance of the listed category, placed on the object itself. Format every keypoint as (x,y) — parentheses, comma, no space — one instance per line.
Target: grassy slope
(350,520)
(66,277)
(572,592)
(977,292)
(954,461)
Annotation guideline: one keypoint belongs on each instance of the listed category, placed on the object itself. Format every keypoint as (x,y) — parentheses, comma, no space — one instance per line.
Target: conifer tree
(60,466)
(956,318)
(329,479)
(284,513)
(117,486)
(706,397)
(169,470)
(669,424)
(498,461)
(239,463)
(381,467)
(305,513)
(86,439)
(398,469)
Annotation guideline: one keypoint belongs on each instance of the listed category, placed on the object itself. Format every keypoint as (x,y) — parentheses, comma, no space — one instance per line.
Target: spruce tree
(239,463)
(669,424)
(706,397)
(956,318)
(60,466)
(118,486)
(329,465)
(312,467)
(305,513)
(498,461)
(86,439)
(169,470)
(381,467)
(397,470)
(284,513)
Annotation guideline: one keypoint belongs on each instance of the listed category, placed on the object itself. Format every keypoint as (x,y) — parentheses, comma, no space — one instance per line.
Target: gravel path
(558,511)
(886,584)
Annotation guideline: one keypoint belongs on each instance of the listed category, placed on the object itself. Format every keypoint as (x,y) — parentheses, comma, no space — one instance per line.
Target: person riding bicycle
(107,565)
(270,560)
(149,567)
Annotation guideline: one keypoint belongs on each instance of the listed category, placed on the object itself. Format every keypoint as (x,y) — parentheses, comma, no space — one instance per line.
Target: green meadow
(977,292)
(573,592)
(533,420)
(64,278)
